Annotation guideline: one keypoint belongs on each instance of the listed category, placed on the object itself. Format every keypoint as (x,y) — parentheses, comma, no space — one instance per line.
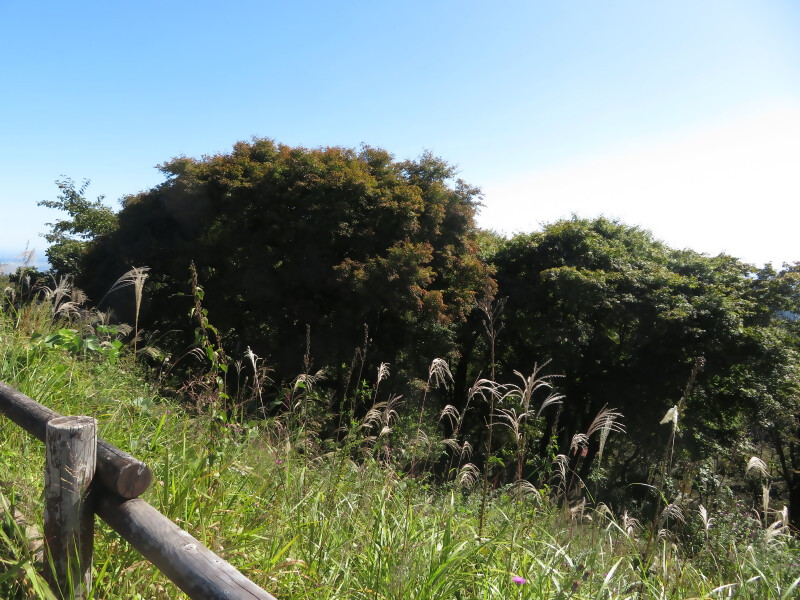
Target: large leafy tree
(777,397)
(283,238)
(629,322)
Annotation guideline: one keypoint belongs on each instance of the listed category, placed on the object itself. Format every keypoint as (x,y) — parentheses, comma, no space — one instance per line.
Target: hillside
(364,514)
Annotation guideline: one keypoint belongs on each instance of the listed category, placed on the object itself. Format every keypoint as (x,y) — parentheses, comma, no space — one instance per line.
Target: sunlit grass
(342,523)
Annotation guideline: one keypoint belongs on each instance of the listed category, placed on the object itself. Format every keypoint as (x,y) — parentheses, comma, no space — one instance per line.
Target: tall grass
(310,521)
(134,278)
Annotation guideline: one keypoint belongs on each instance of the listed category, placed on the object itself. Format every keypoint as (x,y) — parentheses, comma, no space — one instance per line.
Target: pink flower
(519,580)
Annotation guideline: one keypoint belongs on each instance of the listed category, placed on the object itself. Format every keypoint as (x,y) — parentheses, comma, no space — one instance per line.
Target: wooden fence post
(71,446)
(119,471)
(74,457)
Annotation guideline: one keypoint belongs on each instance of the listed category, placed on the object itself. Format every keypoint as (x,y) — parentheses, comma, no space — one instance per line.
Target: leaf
(92,343)
(788,593)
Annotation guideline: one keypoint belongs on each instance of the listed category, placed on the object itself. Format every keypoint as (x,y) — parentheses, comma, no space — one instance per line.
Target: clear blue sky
(682,117)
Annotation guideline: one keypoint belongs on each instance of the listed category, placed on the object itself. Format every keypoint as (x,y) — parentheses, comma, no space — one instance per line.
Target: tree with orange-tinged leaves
(285,237)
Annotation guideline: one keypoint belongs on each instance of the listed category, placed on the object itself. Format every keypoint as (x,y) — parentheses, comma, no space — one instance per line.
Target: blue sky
(680,117)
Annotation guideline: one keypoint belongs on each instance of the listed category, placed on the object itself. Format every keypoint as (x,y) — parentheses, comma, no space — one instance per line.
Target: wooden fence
(85,476)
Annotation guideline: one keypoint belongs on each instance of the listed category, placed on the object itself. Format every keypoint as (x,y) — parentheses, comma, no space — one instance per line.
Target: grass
(307,521)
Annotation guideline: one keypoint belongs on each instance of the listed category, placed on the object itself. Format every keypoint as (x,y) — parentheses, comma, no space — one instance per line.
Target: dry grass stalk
(452,415)
(438,375)
(259,375)
(674,512)
(706,520)
(562,462)
(630,524)
(671,417)
(468,475)
(523,488)
(136,278)
(533,383)
(757,465)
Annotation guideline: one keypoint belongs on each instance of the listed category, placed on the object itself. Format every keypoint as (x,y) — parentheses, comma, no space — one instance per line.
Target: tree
(70,238)
(285,237)
(777,402)
(626,320)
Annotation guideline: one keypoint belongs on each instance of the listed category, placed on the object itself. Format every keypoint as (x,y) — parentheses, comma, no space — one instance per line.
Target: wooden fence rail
(119,479)
(119,471)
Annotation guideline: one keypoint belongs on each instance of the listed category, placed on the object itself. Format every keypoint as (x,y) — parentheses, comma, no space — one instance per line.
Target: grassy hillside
(305,518)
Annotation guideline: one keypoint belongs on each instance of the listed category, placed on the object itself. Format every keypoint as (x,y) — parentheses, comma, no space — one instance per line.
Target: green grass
(306,522)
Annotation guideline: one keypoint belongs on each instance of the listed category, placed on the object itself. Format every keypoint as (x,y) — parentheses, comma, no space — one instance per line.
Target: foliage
(284,238)
(489,242)
(777,406)
(338,262)
(75,343)
(304,521)
(633,324)
(69,238)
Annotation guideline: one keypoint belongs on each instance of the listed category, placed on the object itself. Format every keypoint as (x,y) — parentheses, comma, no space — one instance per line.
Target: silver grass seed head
(562,463)
(630,524)
(707,521)
(674,512)
(757,465)
(439,373)
(774,532)
(671,417)
(468,475)
(580,441)
(603,510)
(252,357)
(527,489)
(383,371)
(451,413)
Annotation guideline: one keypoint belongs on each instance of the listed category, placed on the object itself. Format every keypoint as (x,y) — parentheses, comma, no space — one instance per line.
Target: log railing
(75,458)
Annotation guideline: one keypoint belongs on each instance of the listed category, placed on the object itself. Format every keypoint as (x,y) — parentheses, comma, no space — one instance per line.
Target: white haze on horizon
(733,187)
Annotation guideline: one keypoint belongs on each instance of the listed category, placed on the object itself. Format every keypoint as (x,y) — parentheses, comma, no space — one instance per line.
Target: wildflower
(279,462)
(519,580)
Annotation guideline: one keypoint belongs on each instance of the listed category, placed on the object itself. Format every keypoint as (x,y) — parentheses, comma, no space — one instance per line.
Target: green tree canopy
(627,320)
(70,237)
(777,397)
(286,237)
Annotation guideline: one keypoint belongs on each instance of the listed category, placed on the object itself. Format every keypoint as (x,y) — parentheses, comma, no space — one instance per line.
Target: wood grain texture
(120,472)
(71,444)
(195,569)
